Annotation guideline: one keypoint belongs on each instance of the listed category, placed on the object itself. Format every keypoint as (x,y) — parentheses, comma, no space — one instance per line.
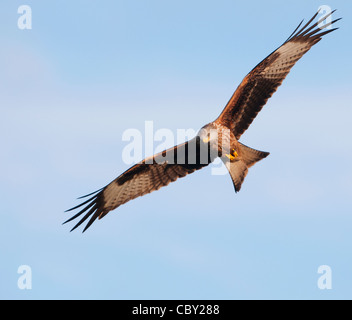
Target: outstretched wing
(147,176)
(261,83)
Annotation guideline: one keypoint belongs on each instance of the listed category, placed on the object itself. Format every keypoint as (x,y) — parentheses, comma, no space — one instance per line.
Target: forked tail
(238,168)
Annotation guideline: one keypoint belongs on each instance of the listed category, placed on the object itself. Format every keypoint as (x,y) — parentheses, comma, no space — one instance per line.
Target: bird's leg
(232,155)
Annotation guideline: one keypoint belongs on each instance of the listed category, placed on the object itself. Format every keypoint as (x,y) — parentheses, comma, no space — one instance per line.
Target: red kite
(216,139)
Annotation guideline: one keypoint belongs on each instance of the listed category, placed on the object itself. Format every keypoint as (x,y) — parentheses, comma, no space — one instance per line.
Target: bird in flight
(216,139)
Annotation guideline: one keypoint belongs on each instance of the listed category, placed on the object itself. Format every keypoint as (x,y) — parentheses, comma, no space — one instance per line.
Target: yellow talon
(206,140)
(233,155)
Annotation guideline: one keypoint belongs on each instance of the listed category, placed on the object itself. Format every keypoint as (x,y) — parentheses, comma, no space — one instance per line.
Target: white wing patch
(289,54)
(141,184)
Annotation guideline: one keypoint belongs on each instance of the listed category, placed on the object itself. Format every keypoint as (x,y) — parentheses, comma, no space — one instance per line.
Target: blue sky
(88,71)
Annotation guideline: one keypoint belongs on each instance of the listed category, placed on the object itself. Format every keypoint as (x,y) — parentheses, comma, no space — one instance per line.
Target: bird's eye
(207,139)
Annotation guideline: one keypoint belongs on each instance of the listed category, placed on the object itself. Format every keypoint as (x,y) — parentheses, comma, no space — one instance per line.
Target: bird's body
(219,138)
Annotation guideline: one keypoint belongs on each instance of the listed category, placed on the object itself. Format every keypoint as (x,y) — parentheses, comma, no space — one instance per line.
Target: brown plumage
(261,83)
(251,95)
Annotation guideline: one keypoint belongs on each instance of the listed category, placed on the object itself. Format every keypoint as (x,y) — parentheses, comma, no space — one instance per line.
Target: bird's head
(209,135)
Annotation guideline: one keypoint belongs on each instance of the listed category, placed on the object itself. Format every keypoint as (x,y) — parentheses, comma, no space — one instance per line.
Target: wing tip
(304,32)
(89,194)
(92,209)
